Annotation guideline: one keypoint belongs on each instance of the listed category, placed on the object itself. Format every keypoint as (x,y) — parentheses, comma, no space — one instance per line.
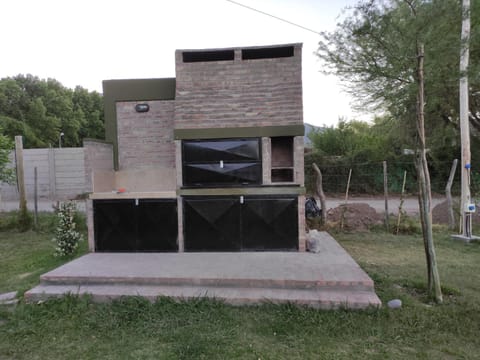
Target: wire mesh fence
(368,178)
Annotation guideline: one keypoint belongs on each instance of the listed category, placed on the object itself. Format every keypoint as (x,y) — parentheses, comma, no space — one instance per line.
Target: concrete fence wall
(61,173)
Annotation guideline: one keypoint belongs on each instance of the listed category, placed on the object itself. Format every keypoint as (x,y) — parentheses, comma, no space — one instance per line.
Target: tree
(387,52)
(40,110)
(7,174)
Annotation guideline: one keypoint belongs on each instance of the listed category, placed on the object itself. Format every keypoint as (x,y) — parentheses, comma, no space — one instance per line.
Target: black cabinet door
(157,228)
(115,225)
(211,224)
(237,223)
(135,225)
(270,223)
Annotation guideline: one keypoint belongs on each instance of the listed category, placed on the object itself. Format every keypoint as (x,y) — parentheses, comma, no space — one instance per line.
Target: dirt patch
(440,213)
(356,217)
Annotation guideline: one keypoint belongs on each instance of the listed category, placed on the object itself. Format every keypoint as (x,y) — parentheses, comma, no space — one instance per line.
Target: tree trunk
(424,186)
(319,192)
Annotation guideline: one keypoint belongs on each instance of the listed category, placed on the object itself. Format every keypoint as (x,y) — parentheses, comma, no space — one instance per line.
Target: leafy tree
(46,128)
(7,174)
(355,140)
(91,106)
(391,54)
(41,109)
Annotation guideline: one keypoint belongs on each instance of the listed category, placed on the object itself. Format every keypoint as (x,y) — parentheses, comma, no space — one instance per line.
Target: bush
(66,235)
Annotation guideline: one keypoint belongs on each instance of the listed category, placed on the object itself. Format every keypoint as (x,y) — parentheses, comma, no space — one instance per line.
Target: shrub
(66,235)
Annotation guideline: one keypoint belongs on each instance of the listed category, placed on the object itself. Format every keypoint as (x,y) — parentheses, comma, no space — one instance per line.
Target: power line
(273,16)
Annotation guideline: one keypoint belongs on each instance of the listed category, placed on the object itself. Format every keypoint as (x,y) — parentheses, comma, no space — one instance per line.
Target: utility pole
(467,206)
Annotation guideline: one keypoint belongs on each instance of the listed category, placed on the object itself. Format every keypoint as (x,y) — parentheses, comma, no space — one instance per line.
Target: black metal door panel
(221,149)
(221,162)
(114,225)
(157,225)
(211,224)
(232,224)
(135,225)
(270,224)
(225,174)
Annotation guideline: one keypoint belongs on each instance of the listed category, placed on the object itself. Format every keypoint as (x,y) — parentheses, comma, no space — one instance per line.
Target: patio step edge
(361,285)
(322,299)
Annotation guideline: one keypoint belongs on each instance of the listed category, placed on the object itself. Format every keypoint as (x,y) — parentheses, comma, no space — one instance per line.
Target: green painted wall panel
(219,133)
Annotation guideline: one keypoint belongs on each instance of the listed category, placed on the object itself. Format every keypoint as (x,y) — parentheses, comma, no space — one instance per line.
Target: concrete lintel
(271,190)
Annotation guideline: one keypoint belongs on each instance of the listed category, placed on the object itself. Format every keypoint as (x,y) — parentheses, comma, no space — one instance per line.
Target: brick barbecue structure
(211,160)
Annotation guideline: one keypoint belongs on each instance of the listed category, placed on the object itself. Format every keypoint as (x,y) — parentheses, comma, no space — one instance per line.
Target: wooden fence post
(400,207)
(448,193)
(385,191)
(320,193)
(344,210)
(20,174)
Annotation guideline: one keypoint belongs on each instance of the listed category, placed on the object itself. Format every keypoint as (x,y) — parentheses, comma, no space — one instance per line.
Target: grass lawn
(75,328)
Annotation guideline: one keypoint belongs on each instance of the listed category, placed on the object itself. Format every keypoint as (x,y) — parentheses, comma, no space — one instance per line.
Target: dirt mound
(357,217)
(440,213)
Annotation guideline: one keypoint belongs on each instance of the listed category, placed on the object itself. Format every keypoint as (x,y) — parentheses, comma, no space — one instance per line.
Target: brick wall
(239,93)
(145,139)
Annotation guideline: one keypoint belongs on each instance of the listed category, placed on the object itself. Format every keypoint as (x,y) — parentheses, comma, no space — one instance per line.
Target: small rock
(7,297)
(313,241)
(395,304)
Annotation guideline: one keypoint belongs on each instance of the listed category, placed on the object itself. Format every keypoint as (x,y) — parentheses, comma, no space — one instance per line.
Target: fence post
(51,173)
(385,191)
(448,193)
(320,193)
(344,210)
(35,197)
(20,173)
(400,207)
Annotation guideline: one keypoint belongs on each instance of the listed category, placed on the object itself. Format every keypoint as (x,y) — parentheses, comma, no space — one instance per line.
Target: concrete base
(328,279)
(466,239)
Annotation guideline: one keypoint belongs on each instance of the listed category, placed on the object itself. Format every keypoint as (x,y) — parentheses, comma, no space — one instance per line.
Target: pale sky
(85,42)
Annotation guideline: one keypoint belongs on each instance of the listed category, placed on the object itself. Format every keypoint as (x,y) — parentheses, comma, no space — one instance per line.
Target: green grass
(24,256)
(75,328)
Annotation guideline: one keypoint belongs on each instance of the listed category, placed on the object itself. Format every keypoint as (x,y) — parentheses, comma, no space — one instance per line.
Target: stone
(394,304)
(313,241)
(7,297)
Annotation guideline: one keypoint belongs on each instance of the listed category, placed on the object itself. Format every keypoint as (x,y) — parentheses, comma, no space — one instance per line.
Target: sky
(85,42)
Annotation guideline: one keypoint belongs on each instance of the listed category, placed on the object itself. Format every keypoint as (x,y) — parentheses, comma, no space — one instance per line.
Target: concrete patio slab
(328,279)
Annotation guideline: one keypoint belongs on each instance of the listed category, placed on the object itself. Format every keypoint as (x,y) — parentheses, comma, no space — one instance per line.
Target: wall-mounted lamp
(141,108)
